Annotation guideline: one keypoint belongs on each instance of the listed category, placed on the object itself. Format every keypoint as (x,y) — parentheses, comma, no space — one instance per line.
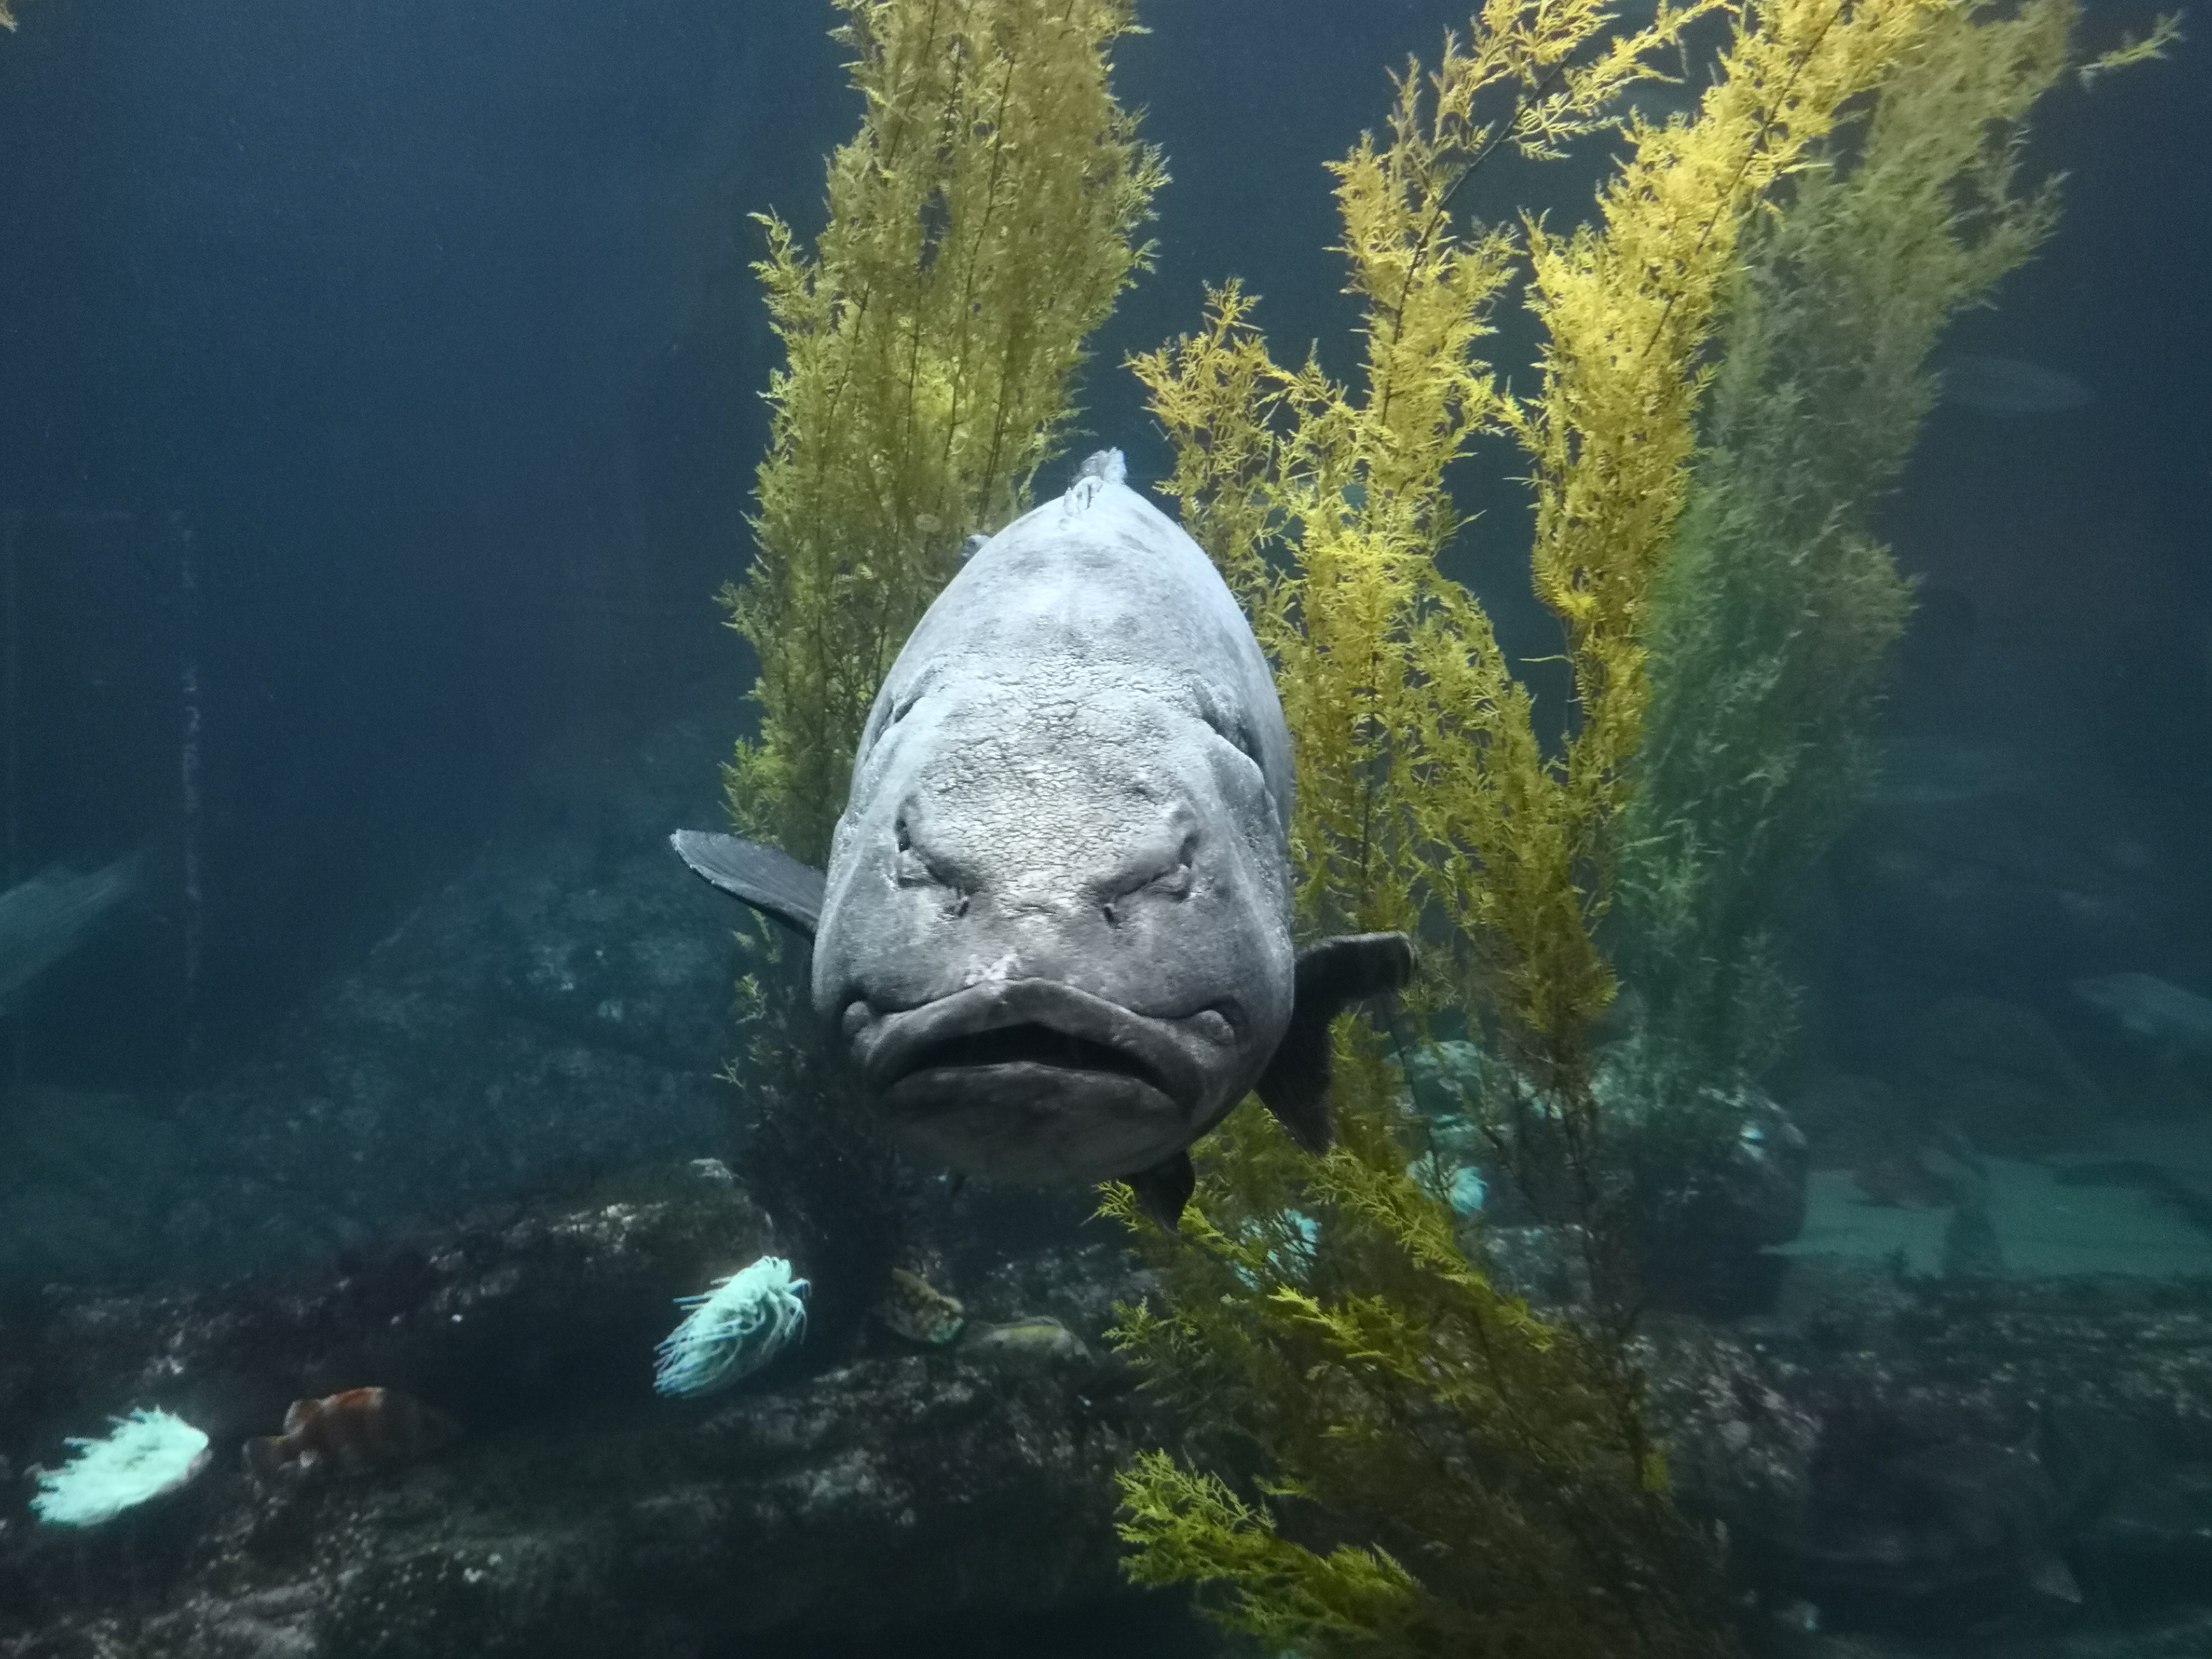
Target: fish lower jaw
(1032,1121)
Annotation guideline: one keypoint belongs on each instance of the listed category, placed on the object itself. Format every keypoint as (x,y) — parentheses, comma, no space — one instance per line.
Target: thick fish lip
(957,1032)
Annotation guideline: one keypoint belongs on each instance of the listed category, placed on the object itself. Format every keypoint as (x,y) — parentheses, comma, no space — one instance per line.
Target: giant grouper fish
(1054,934)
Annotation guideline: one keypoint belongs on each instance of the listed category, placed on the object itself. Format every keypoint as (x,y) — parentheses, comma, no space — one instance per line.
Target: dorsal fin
(770,880)
(1103,468)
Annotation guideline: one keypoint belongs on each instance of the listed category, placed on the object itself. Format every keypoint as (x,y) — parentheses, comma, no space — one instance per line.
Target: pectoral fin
(772,882)
(1333,974)
(1164,1189)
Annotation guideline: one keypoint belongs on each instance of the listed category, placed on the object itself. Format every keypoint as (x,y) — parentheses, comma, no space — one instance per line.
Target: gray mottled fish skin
(1055,932)
(2152,1007)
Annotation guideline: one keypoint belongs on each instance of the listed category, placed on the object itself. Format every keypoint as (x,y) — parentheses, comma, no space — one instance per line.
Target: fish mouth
(1031,1043)
(1029,1022)
(1033,1079)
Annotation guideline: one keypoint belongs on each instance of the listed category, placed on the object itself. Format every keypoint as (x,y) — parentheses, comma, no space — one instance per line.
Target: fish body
(2152,1007)
(1054,932)
(350,1432)
(2008,388)
(44,918)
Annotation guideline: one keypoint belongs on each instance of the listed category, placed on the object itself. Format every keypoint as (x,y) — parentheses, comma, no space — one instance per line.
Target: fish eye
(1174,881)
(909,867)
(1238,734)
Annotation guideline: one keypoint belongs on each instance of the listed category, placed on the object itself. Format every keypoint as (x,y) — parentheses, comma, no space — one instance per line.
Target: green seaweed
(981,224)
(1399,1457)
(1428,1467)
(1771,630)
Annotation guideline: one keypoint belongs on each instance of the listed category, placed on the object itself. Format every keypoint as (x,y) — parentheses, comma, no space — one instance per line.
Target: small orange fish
(349,1432)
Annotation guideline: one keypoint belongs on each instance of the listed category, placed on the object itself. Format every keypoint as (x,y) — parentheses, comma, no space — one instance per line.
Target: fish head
(1055,940)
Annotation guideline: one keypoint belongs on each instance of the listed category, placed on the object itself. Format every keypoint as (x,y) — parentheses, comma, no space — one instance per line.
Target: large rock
(1887,1454)
(861,1484)
(1930,1458)
(1995,1072)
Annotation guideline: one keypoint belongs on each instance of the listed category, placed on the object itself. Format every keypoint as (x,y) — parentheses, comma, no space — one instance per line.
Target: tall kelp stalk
(981,224)
(1448,1473)
(1771,627)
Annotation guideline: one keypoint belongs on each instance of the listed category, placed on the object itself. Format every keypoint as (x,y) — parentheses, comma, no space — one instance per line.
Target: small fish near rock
(917,1310)
(349,1432)
(1040,1340)
(1054,932)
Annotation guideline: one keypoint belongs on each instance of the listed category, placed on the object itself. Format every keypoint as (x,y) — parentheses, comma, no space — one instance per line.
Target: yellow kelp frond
(1771,624)
(1486,1462)
(2165,31)
(1627,305)
(981,224)
(1187,1526)
(1325,1311)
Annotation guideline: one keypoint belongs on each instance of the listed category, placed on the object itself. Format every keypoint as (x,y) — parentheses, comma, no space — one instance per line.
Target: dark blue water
(378,407)
(433,327)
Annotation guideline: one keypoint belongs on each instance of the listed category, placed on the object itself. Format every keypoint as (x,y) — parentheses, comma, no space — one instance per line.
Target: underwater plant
(735,1328)
(140,1457)
(1771,627)
(981,224)
(1434,1468)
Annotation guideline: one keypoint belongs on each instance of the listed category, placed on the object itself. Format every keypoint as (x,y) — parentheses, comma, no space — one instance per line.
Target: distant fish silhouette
(2150,1007)
(2008,388)
(44,918)
(349,1432)
(1937,772)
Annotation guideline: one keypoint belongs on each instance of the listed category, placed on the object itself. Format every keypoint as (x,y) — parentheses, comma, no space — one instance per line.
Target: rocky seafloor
(1903,1465)
(869,1484)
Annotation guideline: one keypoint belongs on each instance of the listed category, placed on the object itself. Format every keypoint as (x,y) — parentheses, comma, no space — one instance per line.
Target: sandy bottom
(2047,1223)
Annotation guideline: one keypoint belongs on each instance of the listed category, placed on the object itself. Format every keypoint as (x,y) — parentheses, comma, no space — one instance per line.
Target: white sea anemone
(733,1330)
(144,1455)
